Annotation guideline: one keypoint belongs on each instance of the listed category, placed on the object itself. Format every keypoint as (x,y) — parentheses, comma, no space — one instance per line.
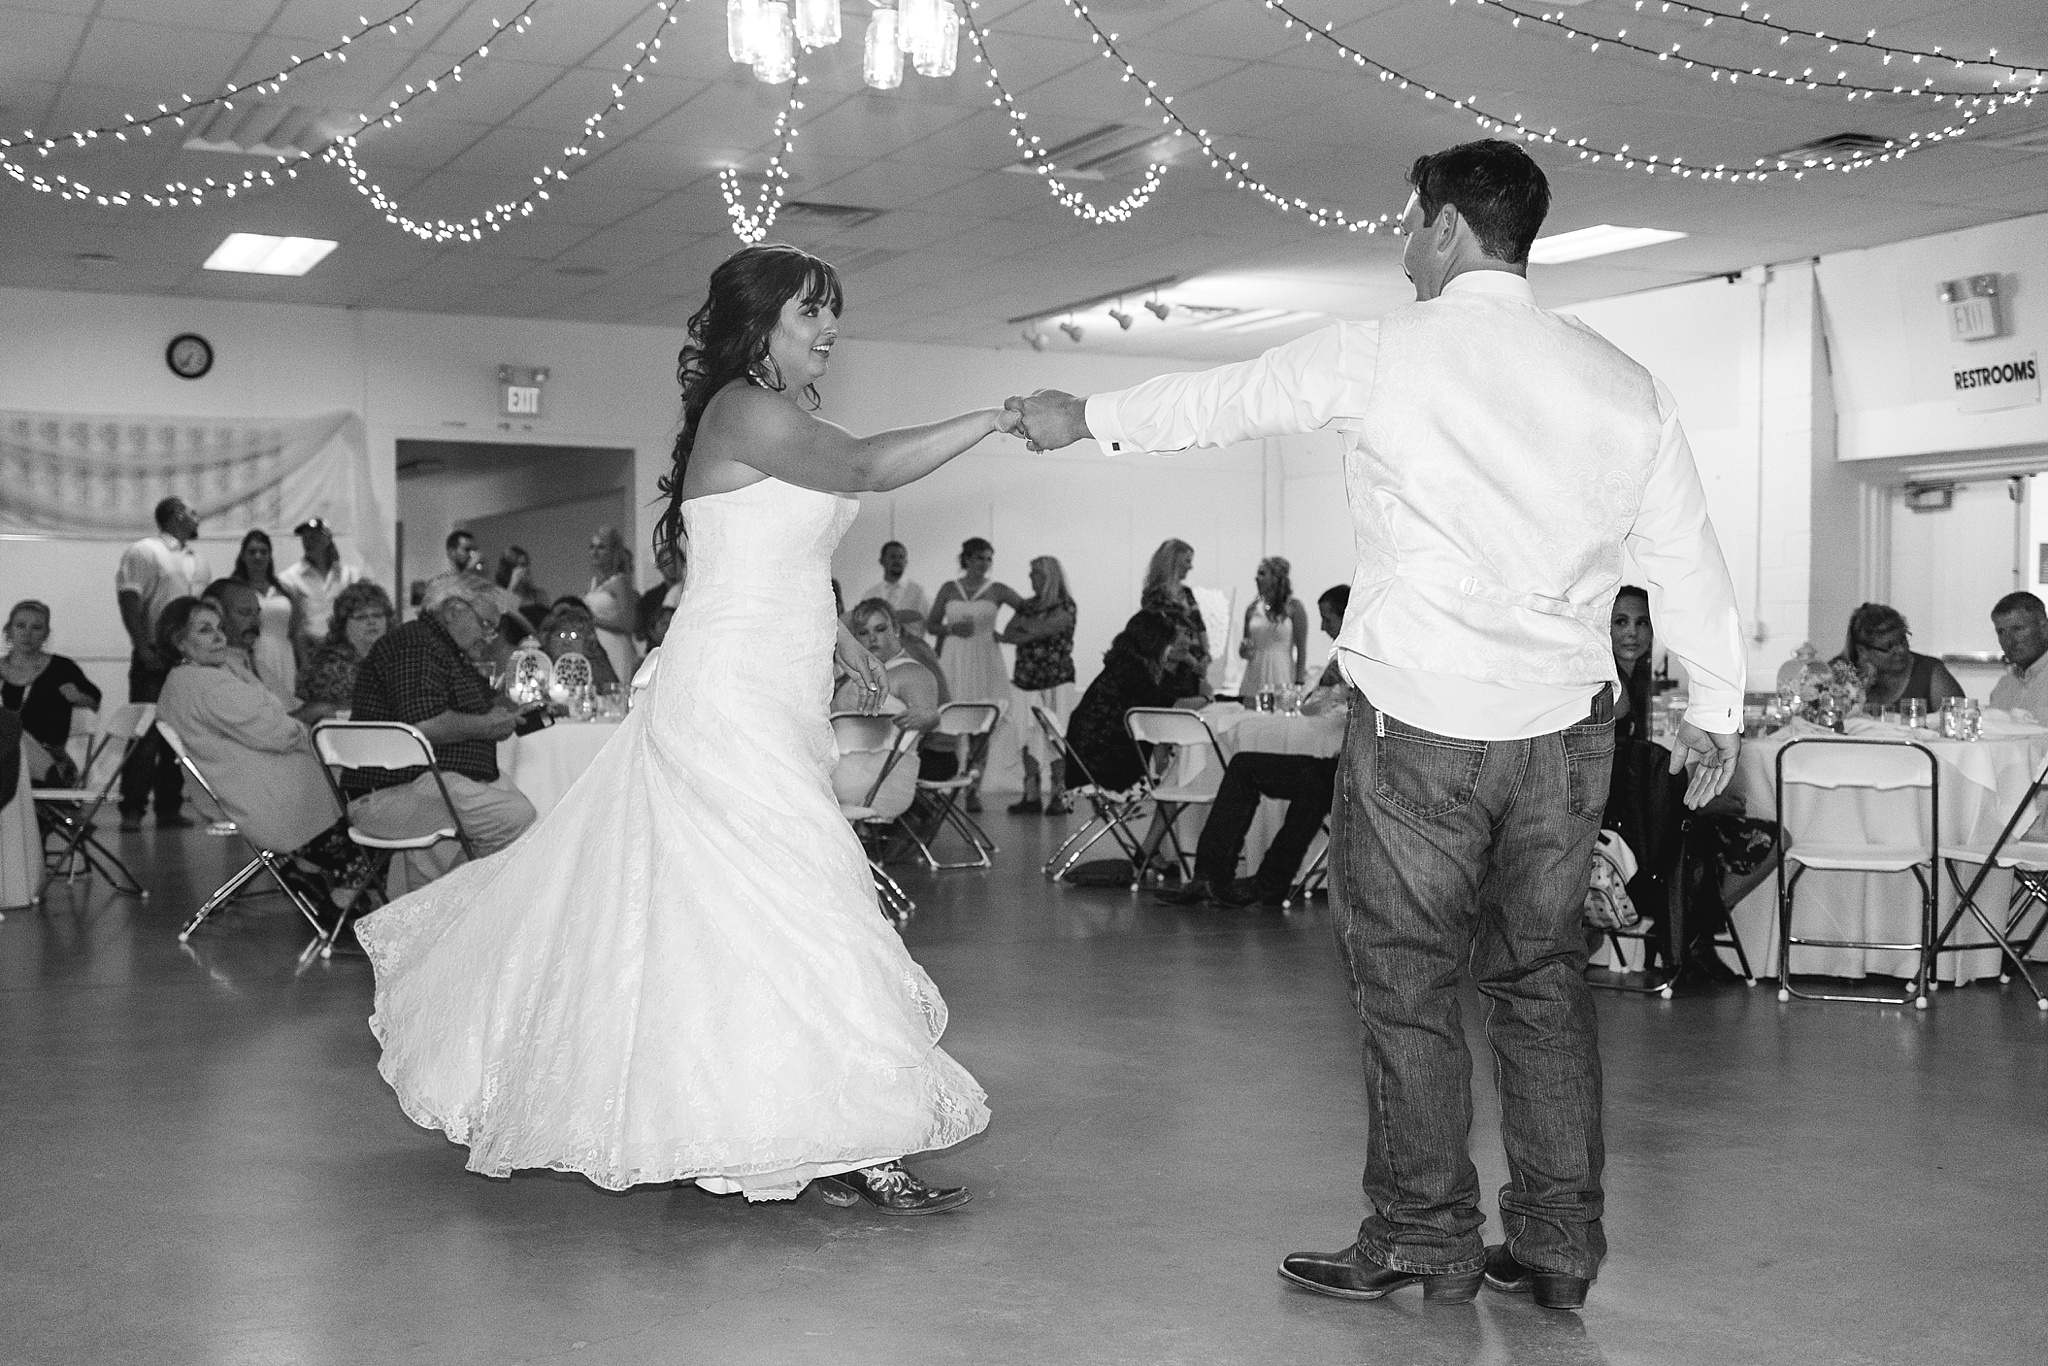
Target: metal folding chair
(855,733)
(1110,811)
(1315,878)
(345,745)
(1170,731)
(939,804)
(69,812)
(2027,861)
(1829,764)
(264,861)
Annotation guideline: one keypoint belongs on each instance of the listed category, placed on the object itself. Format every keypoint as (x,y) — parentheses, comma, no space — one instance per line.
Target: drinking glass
(1916,712)
(1972,719)
(1889,716)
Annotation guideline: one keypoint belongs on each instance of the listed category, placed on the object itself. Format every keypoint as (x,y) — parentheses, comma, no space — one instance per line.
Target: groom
(1498,457)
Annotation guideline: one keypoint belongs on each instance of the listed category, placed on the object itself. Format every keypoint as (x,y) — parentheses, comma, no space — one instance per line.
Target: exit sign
(1972,308)
(519,390)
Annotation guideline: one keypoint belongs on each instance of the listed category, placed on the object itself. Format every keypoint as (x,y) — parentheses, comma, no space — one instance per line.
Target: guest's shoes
(174,821)
(1349,1275)
(1551,1289)
(973,802)
(891,1189)
(1193,892)
(1058,804)
(1244,891)
(1030,806)
(131,822)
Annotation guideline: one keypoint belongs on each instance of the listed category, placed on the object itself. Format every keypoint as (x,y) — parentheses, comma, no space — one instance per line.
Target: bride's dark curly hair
(729,340)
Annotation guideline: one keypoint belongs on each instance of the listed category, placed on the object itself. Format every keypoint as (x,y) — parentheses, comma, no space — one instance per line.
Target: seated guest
(912,699)
(361,614)
(259,760)
(1306,783)
(2022,626)
(1892,674)
(571,629)
(422,673)
(241,619)
(1133,675)
(42,689)
(1634,639)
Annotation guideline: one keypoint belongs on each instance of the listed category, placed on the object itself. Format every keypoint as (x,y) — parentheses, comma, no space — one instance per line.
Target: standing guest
(1275,632)
(1167,593)
(423,673)
(963,617)
(664,595)
(611,598)
(1498,458)
(906,597)
(515,576)
(361,614)
(276,660)
(1304,781)
(1892,673)
(155,572)
(1043,632)
(1634,640)
(313,580)
(42,689)
(258,758)
(2022,626)
(465,561)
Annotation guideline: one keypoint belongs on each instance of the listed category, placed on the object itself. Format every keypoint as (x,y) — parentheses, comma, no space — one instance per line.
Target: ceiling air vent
(837,217)
(1839,147)
(292,131)
(853,263)
(1112,149)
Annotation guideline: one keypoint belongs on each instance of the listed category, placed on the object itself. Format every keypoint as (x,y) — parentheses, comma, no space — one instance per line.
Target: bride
(680,973)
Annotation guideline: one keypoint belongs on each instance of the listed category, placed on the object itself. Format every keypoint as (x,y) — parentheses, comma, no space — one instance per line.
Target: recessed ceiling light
(1599,240)
(1255,319)
(256,254)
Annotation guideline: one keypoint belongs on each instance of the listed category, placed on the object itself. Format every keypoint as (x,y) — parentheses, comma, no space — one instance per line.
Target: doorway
(1949,564)
(544,499)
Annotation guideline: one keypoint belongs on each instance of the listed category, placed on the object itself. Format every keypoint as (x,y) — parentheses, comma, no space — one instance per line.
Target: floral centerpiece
(1825,694)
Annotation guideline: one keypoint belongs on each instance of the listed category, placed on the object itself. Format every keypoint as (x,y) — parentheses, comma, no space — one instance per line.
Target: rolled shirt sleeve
(1692,598)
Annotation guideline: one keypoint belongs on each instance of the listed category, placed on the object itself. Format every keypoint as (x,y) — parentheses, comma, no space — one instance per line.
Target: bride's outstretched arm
(780,439)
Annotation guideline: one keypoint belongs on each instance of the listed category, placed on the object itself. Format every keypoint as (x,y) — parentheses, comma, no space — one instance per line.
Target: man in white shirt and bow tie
(1498,458)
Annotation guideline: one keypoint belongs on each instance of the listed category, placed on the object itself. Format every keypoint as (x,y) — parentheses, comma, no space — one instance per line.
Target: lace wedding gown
(680,973)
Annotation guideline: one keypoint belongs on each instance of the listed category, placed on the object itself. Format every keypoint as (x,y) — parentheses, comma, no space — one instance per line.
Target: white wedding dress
(680,973)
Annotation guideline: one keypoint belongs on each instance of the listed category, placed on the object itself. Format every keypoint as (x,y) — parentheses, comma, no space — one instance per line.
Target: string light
(1803,80)
(751,225)
(495,218)
(1764,168)
(1868,42)
(1032,151)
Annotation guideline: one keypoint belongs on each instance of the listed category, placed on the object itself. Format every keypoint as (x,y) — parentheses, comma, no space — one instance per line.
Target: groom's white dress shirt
(1497,457)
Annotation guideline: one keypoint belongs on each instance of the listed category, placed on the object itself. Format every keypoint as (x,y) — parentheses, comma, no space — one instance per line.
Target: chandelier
(765,35)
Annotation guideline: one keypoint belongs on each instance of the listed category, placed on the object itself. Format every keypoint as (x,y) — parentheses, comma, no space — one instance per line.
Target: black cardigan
(45,712)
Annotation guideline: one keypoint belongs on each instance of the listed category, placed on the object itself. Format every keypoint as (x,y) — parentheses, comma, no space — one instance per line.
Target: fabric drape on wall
(101,476)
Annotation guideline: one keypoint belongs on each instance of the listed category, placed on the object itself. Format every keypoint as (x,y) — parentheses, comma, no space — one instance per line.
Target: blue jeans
(1448,853)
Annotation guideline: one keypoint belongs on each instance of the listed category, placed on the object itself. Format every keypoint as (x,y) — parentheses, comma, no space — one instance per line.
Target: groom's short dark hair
(1495,186)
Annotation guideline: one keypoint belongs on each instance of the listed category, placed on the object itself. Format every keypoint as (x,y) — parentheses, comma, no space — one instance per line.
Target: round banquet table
(1981,781)
(1240,729)
(547,763)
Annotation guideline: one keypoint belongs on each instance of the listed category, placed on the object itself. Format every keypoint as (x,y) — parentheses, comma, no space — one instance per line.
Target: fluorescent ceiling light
(256,254)
(1254,319)
(1599,240)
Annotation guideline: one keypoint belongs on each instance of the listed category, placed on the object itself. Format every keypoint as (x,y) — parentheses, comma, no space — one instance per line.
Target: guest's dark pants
(1303,782)
(1452,855)
(153,768)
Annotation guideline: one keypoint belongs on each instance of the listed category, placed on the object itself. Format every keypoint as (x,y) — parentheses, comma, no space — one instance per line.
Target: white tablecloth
(547,763)
(1980,784)
(1239,729)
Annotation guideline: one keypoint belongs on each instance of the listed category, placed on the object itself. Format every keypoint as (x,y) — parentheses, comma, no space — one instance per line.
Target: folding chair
(1315,878)
(1111,810)
(69,812)
(940,798)
(1170,730)
(856,733)
(1829,764)
(264,861)
(2027,861)
(346,745)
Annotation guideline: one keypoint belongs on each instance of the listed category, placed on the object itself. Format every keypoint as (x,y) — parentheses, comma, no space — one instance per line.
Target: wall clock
(189,355)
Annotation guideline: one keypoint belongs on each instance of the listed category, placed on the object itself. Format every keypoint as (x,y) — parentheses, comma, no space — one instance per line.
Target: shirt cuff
(1103,426)
(1717,715)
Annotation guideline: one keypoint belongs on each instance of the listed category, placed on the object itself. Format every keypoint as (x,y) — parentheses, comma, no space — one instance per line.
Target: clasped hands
(1047,420)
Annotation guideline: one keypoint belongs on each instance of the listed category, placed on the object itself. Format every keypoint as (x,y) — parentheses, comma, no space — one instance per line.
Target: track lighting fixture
(1157,309)
(1121,318)
(1073,331)
(1035,337)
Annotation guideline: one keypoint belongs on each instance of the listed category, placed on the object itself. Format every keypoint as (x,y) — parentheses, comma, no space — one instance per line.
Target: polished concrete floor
(203,1167)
